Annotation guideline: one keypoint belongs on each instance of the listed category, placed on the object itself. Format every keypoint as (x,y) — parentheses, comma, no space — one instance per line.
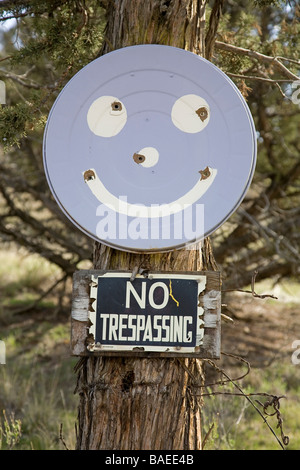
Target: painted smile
(121,205)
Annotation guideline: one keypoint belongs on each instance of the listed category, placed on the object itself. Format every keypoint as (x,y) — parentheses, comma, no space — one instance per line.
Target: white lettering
(171,459)
(178,329)
(105,316)
(187,336)
(166,327)
(140,300)
(116,460)
(113,327)
(121,326)
(171,328)
(140,326)
(149,329)
(132,327)
(157,327)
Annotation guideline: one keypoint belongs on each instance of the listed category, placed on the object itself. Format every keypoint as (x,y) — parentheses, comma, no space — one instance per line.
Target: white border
(142,348)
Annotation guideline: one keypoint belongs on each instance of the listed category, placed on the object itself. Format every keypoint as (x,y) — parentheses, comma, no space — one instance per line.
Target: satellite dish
(149,148)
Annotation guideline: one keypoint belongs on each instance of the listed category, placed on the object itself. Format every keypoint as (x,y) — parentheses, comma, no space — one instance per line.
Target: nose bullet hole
(89,175)
(202,113)
(138,158)
(116,106)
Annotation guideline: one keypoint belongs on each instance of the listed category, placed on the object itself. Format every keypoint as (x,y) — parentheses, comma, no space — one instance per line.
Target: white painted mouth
(121,205)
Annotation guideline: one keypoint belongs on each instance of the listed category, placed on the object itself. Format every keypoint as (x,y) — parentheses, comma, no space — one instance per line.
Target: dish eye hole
(202,113)
(191,113)
(106,116)
(116,106)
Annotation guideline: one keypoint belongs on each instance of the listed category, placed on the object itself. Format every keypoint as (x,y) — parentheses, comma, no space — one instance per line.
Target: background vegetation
(42,45)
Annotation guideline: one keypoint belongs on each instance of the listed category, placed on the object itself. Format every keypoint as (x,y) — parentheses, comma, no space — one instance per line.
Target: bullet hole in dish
(202,113)
(116,106)
(138,158)
(89,175)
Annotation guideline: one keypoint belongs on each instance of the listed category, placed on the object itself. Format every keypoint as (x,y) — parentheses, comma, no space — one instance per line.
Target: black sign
(160,313)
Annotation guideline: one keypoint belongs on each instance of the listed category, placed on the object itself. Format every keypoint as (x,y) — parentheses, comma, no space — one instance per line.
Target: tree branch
(259,79)
(252,291)
(34,304)
(21,79)
(258,56)
(52,235)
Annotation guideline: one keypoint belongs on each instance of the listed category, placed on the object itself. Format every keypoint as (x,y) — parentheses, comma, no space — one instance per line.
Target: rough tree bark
(145,403)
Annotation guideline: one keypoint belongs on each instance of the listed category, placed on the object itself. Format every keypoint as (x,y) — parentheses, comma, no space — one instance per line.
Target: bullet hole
(202,113)
(205,173)
(138,158)
(89,175)
(116,106)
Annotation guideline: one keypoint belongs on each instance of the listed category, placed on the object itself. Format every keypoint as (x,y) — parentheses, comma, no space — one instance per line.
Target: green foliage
(58,37)
(64,38)
(37,381)
(264,3)
(10,432)
(236,425)
(40,391)
(13,123)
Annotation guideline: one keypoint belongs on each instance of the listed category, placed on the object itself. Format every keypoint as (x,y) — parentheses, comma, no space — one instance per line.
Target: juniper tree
(256,44)
(51,40)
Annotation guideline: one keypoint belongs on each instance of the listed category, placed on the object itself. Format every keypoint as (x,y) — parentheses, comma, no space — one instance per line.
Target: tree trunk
(145,403)
(179,23)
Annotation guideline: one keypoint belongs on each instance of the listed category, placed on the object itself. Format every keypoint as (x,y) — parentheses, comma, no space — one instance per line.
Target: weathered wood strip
(210,300)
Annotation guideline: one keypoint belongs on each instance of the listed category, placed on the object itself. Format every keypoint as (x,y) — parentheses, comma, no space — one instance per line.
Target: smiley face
(143,137)
(107,117)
